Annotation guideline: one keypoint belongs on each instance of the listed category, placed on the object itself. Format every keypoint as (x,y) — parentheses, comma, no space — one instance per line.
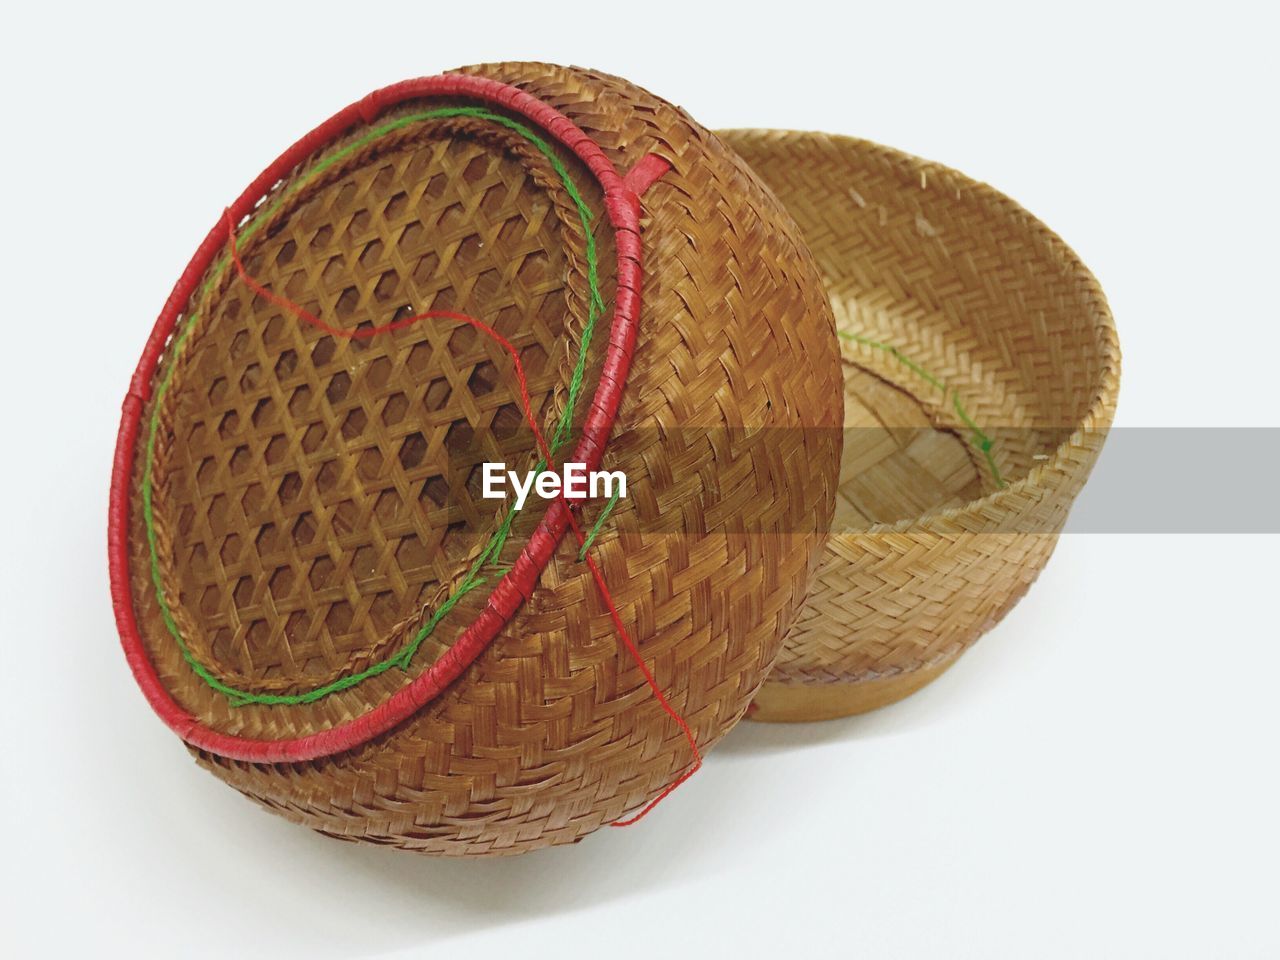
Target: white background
(1097,778)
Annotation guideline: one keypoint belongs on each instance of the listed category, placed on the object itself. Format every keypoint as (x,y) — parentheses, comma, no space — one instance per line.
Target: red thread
(543,449)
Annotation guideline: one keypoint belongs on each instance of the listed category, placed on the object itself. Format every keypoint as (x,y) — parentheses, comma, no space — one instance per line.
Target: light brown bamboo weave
(927,552)
(317,498)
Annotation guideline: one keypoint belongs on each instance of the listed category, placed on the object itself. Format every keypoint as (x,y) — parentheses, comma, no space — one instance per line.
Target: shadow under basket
(981,369)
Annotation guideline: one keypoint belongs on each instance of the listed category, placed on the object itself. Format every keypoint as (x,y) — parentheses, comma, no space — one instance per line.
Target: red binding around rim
(622,207)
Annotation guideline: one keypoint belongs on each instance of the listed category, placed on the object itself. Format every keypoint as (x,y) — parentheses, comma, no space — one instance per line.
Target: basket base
(802,703)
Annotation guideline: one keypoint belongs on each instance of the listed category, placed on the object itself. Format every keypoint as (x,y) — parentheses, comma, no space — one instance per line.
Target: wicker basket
(310,588)
(981,373)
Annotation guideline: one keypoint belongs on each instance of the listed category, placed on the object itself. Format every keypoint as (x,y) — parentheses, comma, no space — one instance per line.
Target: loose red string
(544,451)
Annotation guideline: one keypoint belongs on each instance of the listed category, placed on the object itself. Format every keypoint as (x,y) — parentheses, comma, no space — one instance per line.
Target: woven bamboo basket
(311,589)
(981,369)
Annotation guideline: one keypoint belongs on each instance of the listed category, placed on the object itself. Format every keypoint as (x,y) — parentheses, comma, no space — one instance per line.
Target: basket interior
(898,462)
(972,340)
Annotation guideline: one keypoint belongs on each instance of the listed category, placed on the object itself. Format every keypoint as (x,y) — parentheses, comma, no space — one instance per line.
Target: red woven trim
(647,171)
(518,584)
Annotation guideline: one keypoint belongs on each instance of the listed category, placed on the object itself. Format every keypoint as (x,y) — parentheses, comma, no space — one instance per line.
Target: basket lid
(299,503)
(303,559)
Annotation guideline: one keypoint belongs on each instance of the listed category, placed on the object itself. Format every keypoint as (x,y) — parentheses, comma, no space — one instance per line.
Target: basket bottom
(898,461)
(803,703)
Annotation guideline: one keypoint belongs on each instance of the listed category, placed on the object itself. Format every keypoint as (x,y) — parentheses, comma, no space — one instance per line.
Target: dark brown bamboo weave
(317,498)
(927,551)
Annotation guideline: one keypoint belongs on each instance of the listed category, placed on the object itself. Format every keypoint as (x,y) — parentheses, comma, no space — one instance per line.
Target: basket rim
(622,209)
(1097,417)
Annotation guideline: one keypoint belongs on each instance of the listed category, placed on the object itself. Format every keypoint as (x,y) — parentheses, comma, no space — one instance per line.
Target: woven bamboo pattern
(965,324)
(315,500)
(280,609)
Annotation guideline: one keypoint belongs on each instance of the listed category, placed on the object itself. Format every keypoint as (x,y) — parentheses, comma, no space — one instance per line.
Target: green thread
(604,515)
(497,540)
(980,439)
